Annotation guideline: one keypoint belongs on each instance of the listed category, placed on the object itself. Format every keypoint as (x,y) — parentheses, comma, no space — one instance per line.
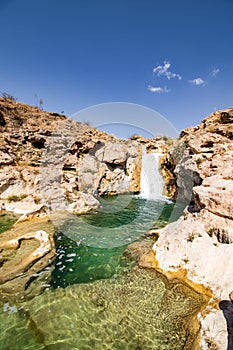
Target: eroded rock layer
(49,160)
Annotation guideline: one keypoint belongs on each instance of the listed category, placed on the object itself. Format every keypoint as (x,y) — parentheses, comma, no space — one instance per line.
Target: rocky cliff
(46,159)
(200,242)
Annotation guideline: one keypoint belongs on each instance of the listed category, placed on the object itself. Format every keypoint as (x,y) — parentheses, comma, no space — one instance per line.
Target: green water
(100,300)
(90,247)
(6,221)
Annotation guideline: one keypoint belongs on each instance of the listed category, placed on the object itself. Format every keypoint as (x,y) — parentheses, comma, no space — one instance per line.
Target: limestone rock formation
(157,144)
(114,168)
(200,242)
(50,162)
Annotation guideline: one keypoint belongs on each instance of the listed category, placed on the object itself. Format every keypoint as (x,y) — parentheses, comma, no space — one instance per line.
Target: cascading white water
(152,183)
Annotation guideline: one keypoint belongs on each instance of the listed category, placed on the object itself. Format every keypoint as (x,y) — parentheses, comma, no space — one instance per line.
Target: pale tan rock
(204,142)
(158,144)
(106,172)
(114,182)
(83,204)
(69,182)
(45,246)
(201,241)
(216,195)
(213,330)
(5,158)
(115,153)
(24,254)
(55,158)
(133,170)
(25,207)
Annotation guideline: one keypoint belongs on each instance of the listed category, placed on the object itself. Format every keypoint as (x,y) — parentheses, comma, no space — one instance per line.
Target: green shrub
(14,198)
(168,140)
(199,160)
(186,260)
(211,232)
(22,196)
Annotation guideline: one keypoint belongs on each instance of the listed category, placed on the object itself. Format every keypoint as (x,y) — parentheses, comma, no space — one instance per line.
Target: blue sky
(173,56)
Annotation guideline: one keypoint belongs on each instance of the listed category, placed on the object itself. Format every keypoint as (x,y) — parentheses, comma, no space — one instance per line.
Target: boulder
(83,204)
(105,172)
(25,252)
(113,153)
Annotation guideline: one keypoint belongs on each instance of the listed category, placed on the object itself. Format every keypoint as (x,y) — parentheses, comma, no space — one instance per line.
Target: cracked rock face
(48,160)
(113,169)
(215,195)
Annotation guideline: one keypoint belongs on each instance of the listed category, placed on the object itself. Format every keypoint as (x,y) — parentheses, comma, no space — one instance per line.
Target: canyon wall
(200,242)
(46,159)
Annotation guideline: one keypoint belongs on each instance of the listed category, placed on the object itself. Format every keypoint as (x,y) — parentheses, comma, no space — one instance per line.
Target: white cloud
(158,89)
(164,70)
(214,72)
(197,82)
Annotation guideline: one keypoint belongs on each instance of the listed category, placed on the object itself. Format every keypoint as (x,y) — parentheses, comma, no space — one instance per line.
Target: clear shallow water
(90,247)
(139,310)
(98,299)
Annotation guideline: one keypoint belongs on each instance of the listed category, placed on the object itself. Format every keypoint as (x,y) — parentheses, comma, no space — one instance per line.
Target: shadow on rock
(227,308)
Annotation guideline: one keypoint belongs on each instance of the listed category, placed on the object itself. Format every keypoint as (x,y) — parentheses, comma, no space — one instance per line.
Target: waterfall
(151,179)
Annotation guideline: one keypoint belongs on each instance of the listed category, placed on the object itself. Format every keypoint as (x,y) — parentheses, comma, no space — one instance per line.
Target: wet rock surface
(26,255)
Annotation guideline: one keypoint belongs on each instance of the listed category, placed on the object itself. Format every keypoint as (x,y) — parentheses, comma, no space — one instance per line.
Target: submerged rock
(140,310)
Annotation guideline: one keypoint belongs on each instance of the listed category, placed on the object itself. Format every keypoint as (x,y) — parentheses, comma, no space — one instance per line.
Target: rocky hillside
(48,159)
